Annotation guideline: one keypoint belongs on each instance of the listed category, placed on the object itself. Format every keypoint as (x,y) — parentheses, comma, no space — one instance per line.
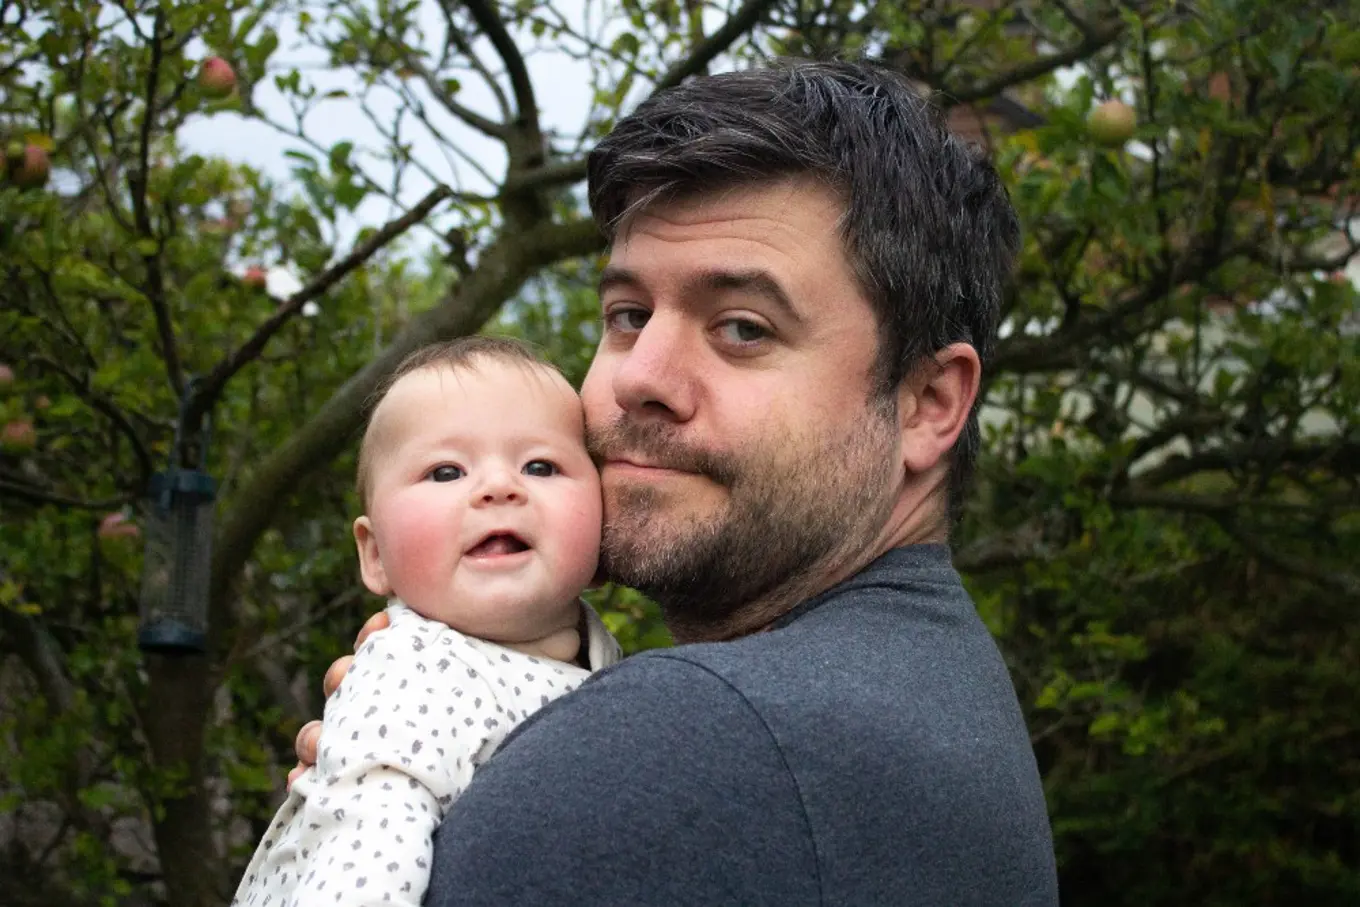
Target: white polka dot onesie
(421,707)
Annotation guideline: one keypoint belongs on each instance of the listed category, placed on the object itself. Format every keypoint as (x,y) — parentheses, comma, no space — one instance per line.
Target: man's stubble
(795,510)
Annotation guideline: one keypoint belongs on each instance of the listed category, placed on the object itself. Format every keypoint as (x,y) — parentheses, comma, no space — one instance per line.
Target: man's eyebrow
(755,282)
(613,276)
(708,283)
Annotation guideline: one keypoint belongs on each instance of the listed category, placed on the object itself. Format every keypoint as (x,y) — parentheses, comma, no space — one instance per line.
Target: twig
(212,386)
(141,183)
(1094,41)
(706,52)
(454,35)
(99,404)
(42,496)
(471,117)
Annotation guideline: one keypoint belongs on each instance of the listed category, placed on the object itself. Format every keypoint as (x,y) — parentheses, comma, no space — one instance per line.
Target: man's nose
(656,374)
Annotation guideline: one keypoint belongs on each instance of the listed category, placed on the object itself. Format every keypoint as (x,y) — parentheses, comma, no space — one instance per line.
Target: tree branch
(41,496)
(1094,39)
(1187,424)
(1342,456)
(740,22)
(1002,551)
(491,24)
(1327,577)
(101,405)
(142,216)
(554,173)
(454,35)
(42,655)
(212,387)
(482,124)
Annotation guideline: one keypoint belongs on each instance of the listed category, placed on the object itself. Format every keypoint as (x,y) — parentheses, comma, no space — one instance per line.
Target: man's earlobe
(934,403)
(370,558)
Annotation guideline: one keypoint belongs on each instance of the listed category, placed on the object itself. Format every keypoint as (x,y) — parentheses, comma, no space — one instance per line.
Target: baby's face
(484,507)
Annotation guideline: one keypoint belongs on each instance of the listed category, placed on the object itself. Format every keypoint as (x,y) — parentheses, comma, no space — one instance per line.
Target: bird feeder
(177,563)
(178,530)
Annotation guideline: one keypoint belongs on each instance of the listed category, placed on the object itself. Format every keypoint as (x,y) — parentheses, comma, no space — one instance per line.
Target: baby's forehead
(528,381)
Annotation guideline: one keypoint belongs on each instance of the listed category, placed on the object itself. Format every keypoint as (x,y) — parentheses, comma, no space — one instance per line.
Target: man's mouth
(643,463)
(498,544)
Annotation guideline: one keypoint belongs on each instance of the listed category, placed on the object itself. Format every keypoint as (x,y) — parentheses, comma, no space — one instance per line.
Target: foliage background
(1164,538)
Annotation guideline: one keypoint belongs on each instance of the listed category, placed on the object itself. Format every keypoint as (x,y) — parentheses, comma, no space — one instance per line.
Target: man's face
(730,405)
(484,509)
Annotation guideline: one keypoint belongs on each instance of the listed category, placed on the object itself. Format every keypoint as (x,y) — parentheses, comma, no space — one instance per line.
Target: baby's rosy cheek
(424,543)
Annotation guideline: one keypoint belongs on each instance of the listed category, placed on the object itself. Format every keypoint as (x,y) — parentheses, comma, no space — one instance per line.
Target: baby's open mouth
(498,543)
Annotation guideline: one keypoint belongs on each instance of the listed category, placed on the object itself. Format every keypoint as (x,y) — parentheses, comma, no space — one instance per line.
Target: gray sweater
(868,750)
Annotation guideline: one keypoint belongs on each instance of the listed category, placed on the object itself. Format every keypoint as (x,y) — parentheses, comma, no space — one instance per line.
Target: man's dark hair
(928,227)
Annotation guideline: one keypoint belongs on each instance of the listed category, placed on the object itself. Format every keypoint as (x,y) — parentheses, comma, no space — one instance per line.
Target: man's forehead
(767,199)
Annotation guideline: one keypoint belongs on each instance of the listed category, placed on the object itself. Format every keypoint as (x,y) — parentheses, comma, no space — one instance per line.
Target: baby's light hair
(455,355)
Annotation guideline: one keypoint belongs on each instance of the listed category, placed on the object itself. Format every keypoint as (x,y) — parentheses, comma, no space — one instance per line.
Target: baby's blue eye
(447,473)
(540,469)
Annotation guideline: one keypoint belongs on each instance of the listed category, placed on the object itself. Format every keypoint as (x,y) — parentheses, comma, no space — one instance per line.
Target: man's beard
(797,509)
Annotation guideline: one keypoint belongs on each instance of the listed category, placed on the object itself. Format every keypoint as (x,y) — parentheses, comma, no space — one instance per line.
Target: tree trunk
(175,719)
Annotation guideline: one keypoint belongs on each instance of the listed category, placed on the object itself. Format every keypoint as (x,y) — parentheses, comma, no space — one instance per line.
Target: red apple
(1112,123)
(116,525)
(1220,87)
(255,277)
(216,77)
(18,435)
(6,375)
(28,165)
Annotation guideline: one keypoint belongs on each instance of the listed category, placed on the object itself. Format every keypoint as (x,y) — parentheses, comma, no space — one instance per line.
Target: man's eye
(742,332)
(627,320)
(540,469)
(447,473)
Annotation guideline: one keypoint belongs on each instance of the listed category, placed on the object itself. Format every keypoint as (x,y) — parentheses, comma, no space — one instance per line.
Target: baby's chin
(507,620)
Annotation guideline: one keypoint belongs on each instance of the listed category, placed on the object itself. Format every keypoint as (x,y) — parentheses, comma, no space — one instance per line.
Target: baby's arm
(397,747)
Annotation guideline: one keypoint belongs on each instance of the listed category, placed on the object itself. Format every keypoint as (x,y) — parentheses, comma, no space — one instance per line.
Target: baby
(482,523)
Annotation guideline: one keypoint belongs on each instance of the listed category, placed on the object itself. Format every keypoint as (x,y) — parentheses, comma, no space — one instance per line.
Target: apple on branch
(116,525)
(18,435)
(255,277)
(216,78)
(1112,123)
(27,165)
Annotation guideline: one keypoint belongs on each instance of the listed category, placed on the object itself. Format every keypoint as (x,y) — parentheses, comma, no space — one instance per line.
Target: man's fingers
(296,773)
(336,673)
(305,747)
(375,623)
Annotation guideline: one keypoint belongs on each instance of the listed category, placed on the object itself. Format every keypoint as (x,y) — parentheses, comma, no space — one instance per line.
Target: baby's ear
(370,558)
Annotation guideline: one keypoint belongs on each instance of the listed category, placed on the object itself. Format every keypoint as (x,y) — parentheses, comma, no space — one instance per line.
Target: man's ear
(370,560)
(933,404)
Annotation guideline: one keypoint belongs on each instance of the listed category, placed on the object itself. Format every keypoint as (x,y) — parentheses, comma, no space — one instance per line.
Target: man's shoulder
(653,690)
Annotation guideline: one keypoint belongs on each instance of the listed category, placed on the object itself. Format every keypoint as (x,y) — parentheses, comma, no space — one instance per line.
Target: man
(804,283)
